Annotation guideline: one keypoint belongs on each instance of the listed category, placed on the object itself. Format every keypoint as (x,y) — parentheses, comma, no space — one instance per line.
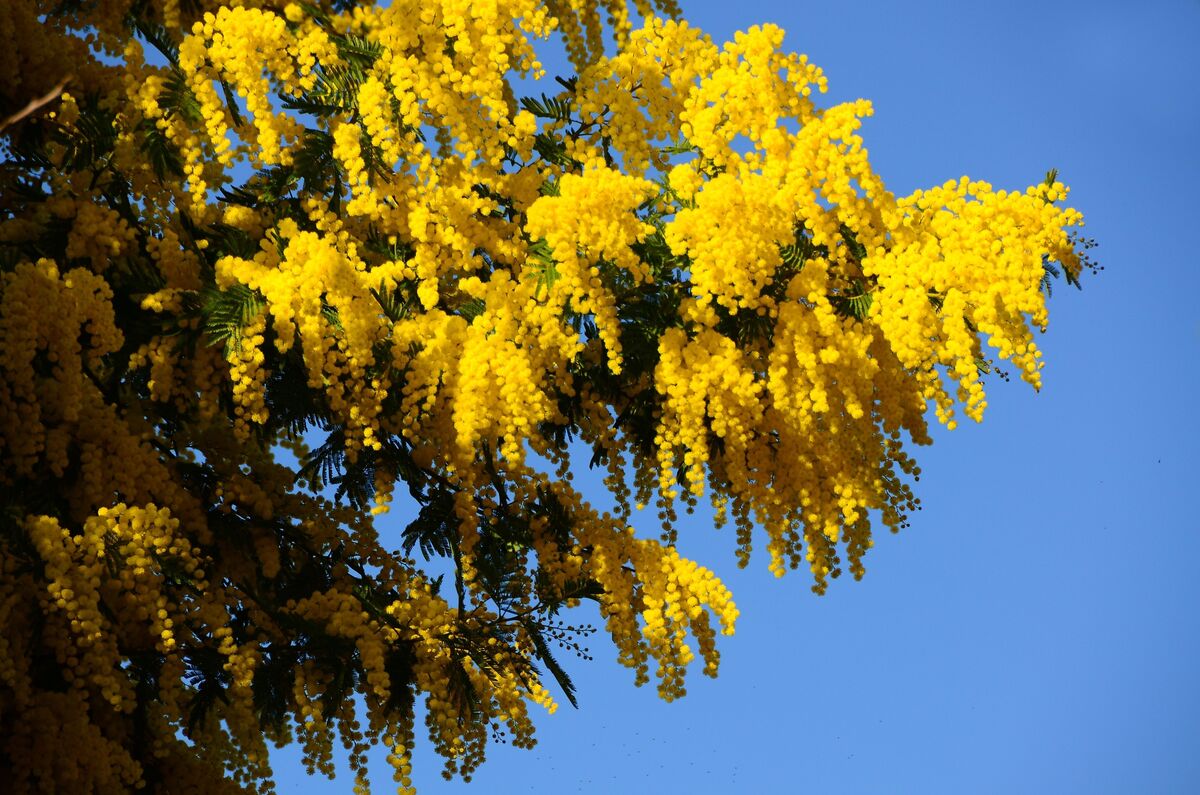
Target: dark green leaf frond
(553,108)
(227,312)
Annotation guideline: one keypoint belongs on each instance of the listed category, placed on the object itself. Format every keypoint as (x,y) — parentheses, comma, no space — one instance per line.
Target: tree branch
(35,104)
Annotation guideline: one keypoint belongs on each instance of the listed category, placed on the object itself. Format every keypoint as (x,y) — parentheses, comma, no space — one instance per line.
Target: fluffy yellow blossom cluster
(589,221)
(38,412)
(264,262)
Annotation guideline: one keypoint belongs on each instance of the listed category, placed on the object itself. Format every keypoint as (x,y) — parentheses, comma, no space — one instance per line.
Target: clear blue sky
(1035,630)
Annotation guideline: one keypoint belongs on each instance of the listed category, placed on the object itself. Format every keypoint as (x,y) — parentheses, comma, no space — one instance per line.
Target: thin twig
(35,104)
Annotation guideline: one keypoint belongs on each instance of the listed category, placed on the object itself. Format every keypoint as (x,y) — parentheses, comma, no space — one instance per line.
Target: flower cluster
(253,281)
(588,223)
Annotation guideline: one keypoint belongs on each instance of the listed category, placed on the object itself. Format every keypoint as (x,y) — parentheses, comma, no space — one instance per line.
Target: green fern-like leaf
(392,247)
(313,160)
(157,36)
(1049,273)
(177,98)
(553,150)
(90,143)
(325,463)
(682,147)
(856,248)
(545,265)
(335,91)
(227,312)
(164,159)
(431,530)
(242,195)
(271,687)
(793,255)
(229,240)
(553,108)
(331,315)
(471,309)
(855,304)
(395,306)
(231,103)
(373,159)
(542,651)
(362,53)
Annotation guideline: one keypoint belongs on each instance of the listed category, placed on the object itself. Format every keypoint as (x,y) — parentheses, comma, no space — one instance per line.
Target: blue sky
(1035,629)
